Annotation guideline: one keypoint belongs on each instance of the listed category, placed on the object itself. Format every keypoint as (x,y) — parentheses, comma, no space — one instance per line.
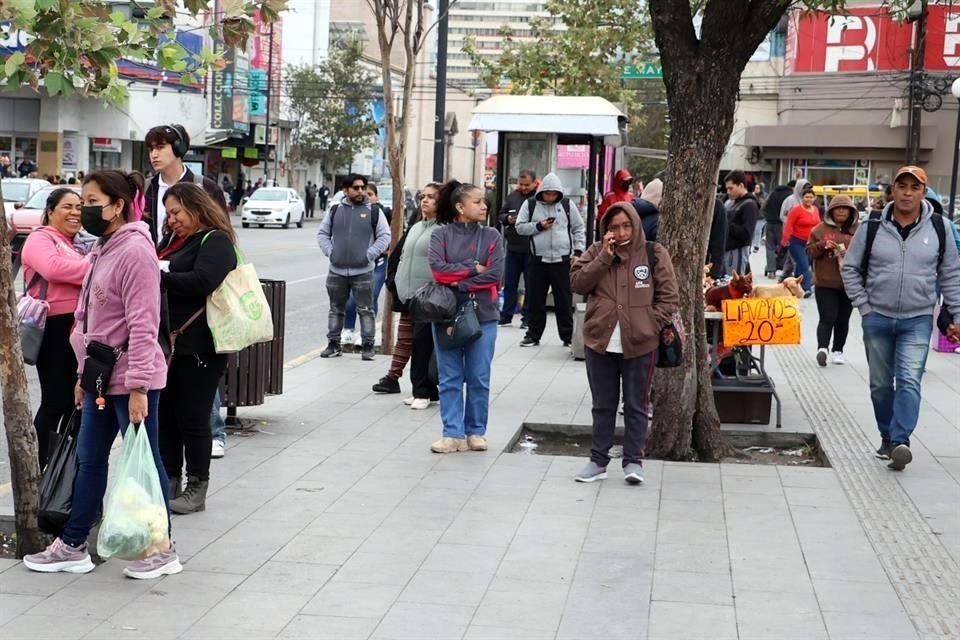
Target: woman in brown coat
(632,297)
(827,246)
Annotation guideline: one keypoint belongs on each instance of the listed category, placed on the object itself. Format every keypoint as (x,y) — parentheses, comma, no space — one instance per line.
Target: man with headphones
(167,145)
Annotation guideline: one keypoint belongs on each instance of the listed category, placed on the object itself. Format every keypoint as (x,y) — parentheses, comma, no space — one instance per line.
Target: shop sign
(869,39)
(221,95)
(110,145)
(642,71)
(70,145)
(757,321)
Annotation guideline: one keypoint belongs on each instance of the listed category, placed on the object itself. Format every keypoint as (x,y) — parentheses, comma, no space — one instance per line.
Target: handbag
(433,302)
(238,313)
(463,331)
(56,485)
(672,335)
(32,317)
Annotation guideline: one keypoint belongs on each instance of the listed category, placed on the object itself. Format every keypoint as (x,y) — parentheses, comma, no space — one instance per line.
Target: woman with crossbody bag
(54,268)
(121,364)
(196,257)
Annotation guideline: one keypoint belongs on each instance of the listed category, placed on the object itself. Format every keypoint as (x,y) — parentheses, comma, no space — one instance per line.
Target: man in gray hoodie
(353,235)
(558,231)
(894,284)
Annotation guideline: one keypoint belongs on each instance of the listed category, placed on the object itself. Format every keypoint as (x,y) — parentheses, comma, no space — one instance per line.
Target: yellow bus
(862,195)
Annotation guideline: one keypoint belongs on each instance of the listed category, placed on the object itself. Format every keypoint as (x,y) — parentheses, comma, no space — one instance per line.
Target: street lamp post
(955,90)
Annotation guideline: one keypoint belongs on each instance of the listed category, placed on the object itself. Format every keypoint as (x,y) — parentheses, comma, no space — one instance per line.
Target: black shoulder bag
(672,336)
(465,328)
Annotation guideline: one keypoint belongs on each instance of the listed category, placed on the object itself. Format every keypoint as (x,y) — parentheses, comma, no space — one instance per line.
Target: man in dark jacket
(717,245)
(774,228)
(518,247)
(742,210)
(167,144)
(649,217)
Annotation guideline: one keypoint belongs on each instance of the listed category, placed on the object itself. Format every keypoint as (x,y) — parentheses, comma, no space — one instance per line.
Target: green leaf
(14,62)
(46,5)
(117,19)
(156,13)
(54,82)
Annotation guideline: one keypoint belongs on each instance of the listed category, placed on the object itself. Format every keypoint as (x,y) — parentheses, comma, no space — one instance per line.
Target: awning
(865,136)
(548,114)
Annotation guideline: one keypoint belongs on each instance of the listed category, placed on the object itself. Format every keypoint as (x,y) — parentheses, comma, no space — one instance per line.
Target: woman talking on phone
(121,364)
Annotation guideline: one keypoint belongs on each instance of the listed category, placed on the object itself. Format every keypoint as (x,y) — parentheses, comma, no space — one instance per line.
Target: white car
(16,191)
(273,205)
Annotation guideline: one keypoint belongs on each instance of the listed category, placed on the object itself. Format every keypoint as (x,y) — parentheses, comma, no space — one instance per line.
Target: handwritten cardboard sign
(751,321)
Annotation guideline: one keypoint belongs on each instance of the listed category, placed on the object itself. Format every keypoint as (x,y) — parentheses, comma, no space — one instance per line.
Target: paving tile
(446,587)
(89,599)
(464,558)
(538,562)
(415,621)
(377,568)
(811,477)
(314,549)
(675,531)
(245,548)
(697,558)
(522,605)
(747,470)
(480,632)
(674,620)
(761,616)
(763,485)
(816,497)
(409,542)
(7,563)
(344,525)
(12,605)
(692,511)
(193,588)
(609,569)
(292,578)
(55,627)
(627,605)
(771,577)
(305,627)
(846,625)
(857,597)
(697,588)
(354,600)
(254,611)
(202,632)
(145,619)
(30,583)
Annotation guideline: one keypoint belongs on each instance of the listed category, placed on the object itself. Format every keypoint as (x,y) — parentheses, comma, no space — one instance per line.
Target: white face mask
(623,244)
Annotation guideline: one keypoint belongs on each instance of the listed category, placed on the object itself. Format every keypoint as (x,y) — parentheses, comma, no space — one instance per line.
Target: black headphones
(179,145)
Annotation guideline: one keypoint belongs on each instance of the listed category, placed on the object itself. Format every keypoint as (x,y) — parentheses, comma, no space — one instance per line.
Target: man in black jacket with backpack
(518,248)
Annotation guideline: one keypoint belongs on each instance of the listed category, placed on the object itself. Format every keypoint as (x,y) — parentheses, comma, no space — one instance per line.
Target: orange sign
(749,321)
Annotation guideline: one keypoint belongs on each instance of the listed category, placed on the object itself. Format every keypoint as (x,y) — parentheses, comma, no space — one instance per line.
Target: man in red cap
(893,270)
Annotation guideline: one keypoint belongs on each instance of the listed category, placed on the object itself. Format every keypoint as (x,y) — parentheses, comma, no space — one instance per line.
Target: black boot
(193,498)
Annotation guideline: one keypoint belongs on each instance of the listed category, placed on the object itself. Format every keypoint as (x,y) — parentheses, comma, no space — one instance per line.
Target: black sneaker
(366,353)
(566,343)
(524,324)
(333,350)
(529,342)
(883,453)
(386,384)
(504,322)
(900,457)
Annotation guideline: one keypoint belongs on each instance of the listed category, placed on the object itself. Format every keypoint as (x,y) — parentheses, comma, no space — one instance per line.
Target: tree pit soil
(751,447)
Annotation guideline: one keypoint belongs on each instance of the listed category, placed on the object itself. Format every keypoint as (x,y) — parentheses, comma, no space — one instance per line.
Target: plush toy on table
(789,287)
(739,287)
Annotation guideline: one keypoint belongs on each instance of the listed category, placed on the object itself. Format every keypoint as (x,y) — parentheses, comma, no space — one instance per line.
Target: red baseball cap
(914,171)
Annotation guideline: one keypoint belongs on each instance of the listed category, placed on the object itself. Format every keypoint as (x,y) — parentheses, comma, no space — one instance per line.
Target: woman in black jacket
(196,255)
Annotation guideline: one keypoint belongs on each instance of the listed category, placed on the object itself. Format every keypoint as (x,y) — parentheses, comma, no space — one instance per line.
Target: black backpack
(873,226)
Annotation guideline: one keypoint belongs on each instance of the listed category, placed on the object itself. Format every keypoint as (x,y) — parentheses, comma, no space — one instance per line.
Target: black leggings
(835,309)
(423,385)
(185,405)
(57,370)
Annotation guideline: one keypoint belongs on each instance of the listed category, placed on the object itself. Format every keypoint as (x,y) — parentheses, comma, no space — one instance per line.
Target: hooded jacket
(58,261)
(741,221)
(649,217)
(455,251)
(793,199)
(903,279)
(515,242)
(413,270)
(623,291)
(121,303)
(353,247)
(771,209)
(826,263)
(619,193)
(653,192)
(568,233)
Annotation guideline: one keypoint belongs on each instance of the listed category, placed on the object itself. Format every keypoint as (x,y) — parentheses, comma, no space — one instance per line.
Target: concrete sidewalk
(335,521)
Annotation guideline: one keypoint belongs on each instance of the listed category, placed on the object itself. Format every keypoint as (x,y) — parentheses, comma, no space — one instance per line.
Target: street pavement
(334,520)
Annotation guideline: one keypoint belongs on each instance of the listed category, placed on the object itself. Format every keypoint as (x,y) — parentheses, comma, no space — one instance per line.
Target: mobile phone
(552,219)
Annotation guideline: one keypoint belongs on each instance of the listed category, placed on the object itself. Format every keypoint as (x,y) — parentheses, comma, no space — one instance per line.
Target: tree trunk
(17,417)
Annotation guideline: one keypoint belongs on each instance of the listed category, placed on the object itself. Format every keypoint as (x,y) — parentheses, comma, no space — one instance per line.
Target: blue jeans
(798,251)
(516,266)
(218,428)
(98,429)
(471,366)
(897,354)
(350,312)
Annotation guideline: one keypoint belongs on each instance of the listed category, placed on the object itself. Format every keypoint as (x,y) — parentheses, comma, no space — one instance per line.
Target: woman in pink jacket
(54,268)
(118,317)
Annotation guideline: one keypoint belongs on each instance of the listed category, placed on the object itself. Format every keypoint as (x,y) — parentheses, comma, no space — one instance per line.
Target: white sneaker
(837,358)
(346,337)
(408,401)
(217,450)
(420,404)
(357,339)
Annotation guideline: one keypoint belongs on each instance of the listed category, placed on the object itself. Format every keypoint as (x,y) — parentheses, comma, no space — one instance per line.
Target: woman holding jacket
(200,252)
(468,257)
(414,272)
(119,311)
(826,246)
(54,267)
(632,296)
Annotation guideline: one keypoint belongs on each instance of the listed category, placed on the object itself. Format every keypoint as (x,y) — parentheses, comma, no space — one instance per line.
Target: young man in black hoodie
(742,210)
(774,228)
(518,248)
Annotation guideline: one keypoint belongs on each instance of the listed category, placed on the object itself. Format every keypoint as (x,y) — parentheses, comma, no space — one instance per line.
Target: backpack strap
(873,226)
(652,258)
(940,228)
(33,282)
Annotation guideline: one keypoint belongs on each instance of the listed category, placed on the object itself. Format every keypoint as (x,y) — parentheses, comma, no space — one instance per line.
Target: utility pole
(443,6)
(266,144)
(916,81)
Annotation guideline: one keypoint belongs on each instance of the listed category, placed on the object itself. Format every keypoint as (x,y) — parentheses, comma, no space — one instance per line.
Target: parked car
(385,196)
(273,205)
(29,215)
(17,191)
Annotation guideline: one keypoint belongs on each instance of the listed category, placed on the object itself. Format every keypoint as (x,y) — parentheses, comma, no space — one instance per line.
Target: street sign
(642,71)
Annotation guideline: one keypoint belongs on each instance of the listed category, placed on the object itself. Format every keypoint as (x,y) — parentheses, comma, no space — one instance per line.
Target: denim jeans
(468,366)
(798,251)
(897,354)
(350,312)
(98,429)
(515,266)
(218,428)
(339,289)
